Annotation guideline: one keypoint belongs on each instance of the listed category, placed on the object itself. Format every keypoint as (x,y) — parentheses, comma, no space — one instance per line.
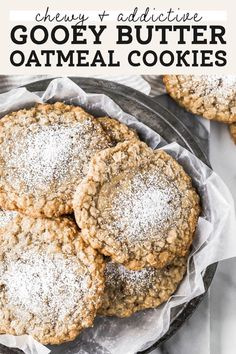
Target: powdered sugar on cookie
(129,291)
(210,96)
(45,152)
(6,217)
(51,153)
(45,285)
(137,206)
(144,205)
(221,87)
(117,273)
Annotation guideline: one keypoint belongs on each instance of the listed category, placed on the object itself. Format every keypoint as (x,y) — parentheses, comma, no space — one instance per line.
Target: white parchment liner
(214,240)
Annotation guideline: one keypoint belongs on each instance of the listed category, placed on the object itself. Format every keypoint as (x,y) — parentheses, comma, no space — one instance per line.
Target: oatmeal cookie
(51,282)
(232,129)
(44,154)
(7,217)
(117,131)
(211,96)
(137,206)
(128,291)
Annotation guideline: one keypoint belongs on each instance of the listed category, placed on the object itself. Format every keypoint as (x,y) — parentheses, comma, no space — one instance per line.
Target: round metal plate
(173,125)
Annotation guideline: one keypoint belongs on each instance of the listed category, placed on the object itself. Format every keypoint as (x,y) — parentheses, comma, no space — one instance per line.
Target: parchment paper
(214,240)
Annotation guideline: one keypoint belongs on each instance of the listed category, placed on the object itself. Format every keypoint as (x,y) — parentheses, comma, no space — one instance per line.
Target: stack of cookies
(210,96)
(92,222)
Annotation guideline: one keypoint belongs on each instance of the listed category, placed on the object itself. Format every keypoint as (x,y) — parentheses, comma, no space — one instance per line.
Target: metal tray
(174,124)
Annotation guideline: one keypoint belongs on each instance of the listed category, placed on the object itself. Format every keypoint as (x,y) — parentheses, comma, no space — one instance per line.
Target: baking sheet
(213,242)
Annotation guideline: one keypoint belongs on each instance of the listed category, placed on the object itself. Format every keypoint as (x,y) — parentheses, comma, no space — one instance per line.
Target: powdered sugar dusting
(145,205)
(6,217)
(45,285)
(133,279)
(50,154)
(221,87)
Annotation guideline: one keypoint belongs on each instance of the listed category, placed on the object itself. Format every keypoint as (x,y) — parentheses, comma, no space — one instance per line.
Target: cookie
(232,130)
(51,282)
(137,206)
(129,291)
(117,131)
(7,217)
(211,96)
(44,154)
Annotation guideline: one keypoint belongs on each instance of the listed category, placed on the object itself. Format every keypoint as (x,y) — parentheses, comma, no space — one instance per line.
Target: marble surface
(212,327)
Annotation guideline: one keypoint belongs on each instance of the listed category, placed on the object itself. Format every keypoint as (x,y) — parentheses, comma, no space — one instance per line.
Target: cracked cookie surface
(51,282)
(211,96)
(137,206)
(128,291)
(44,154)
